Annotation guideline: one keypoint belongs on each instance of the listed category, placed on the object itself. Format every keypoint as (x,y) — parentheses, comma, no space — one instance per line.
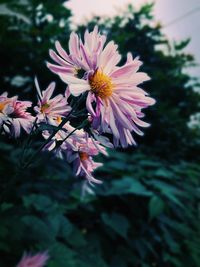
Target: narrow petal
(58,69)
(77,89)
(62,52)
(49,91)
(113,124)
(89,104)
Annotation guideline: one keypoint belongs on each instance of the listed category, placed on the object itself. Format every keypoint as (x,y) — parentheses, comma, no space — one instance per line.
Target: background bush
(146,213)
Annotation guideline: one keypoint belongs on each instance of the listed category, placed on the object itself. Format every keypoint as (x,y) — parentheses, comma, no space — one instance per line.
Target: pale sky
(165,12)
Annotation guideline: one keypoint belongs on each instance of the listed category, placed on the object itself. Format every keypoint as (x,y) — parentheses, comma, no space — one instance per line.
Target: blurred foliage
(146,213)
(28,29)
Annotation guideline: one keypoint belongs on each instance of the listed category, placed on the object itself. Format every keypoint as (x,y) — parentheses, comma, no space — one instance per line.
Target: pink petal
(89,104)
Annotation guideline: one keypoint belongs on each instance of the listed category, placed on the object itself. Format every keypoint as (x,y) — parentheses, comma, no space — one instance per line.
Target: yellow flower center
(101,84)
(58,119)
(44,107)
(83,155)
(2,105)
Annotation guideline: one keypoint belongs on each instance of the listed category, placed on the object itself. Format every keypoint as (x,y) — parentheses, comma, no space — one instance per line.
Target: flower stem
(60,126)
(84,123)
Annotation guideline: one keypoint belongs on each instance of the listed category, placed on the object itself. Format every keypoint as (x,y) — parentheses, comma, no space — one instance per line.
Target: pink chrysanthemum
(14,115)
(78,149)
(5,107)
(38,260)
(82,158)
(114,99)
(51,108)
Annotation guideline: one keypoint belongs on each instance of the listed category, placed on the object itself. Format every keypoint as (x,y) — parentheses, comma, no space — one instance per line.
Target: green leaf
(169,239)
(59,225)
(6,206)
(117,222)
(39,202)
(156,207)
(76,238)
(128,185)
(37,229)
(181,45)
(66,228)
(62,256)
(164,173)
(172,260)
(169,190)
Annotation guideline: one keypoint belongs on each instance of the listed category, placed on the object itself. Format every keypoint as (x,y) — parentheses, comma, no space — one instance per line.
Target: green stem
(85,122)
(27,143)
(60,126)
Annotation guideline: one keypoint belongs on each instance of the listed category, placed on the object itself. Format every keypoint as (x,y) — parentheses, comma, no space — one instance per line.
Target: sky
(186,11)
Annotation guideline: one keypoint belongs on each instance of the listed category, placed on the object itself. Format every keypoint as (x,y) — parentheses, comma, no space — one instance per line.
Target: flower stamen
(44,107)
(59,119)
(83,155)
(101,84)
(2,105)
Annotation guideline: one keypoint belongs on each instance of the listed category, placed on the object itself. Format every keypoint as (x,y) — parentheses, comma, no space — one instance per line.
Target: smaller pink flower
(79,150)
(51,108)
(14,115)
(82,158)
(5,107)
(20,117)
(38,260)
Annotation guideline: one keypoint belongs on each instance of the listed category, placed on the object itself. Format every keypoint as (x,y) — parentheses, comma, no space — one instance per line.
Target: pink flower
(82,158)
(49,108)
(14,115)
(78,149)
(114,100)
(38,260)
(81,56)
(5,107)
